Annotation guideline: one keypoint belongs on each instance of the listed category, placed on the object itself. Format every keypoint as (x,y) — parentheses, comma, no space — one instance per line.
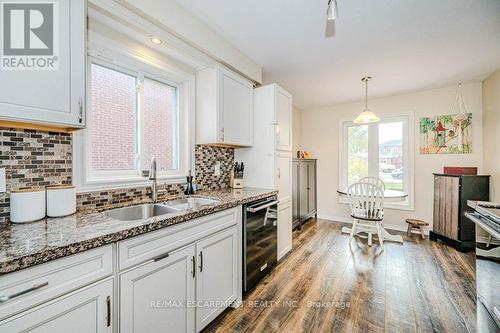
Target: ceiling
(406,45)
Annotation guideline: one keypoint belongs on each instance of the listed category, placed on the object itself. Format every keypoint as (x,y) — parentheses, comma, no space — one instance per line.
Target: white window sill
(124,183)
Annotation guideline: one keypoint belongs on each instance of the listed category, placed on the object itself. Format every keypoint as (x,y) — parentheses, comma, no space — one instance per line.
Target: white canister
(27,205)
(61,200)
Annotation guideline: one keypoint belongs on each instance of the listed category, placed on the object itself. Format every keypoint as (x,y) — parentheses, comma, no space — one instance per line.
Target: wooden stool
(416,224)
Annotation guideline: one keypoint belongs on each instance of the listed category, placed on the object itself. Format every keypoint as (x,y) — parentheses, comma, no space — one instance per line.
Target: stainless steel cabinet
(304,190)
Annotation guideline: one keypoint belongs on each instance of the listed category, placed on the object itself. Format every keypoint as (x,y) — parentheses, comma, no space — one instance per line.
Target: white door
(54,96)
(155,297)
(217,276)
(284,119)
(236,108)
(284,175)
(86,310)
(284,228)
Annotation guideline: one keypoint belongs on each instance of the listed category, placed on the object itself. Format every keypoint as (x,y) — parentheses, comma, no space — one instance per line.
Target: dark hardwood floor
(323,286)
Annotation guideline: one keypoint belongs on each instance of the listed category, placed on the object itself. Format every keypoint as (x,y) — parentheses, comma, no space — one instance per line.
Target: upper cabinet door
(236,109)
(224,108)
(284,119)
(43,66)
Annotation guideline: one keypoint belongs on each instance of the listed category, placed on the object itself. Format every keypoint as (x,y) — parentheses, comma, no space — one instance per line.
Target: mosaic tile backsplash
(33,159)
(37,158)
(206,157)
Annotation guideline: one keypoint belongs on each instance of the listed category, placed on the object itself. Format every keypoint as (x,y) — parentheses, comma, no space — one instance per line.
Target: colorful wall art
(449,134)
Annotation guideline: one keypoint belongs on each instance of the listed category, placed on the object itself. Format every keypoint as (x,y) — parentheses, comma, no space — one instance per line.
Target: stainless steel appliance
(487,220)
(260,240)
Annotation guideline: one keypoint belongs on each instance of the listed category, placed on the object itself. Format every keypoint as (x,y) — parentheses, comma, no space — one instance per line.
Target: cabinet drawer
(47,281)
(82,311)
(147,247)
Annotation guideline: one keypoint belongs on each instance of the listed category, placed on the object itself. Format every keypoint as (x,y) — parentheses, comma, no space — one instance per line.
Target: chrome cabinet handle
(80,110)
(201,261)
(108,311)
(256,209)
(168,254)
(193,272)
(222,134)
(6,298)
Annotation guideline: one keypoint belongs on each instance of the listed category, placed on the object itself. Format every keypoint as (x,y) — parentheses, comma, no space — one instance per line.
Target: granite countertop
(26,245)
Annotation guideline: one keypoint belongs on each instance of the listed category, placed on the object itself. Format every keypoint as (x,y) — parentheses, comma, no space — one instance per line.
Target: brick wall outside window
(158,125)
(113,119)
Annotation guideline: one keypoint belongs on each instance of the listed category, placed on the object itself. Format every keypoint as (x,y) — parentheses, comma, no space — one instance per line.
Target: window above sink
(138,107)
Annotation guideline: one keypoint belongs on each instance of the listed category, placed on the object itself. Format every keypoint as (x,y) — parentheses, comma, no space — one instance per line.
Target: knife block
(235,182)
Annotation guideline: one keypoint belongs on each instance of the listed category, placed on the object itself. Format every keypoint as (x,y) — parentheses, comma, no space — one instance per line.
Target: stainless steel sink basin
(140,212)
(189,203)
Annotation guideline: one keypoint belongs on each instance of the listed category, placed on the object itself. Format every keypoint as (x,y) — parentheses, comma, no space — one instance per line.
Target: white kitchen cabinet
(283,119)
(224,108)
(217,278)
(284,228)
(284,175)
(52,97)
(268,163)
(85,310)
(155,297)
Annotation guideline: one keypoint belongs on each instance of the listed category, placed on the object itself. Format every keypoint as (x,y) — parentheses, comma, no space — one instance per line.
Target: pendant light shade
(332,10)
(367,116)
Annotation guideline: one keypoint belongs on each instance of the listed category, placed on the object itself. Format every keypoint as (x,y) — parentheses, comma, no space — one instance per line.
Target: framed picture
(448,134)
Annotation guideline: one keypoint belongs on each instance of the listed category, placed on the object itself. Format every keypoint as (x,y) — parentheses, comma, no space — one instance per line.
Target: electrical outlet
(217,168)
(3,183)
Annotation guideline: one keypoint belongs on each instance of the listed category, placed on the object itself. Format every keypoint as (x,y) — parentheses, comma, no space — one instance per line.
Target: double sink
(146,211)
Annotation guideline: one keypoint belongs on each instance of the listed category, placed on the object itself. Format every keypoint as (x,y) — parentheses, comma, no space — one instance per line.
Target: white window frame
(373,156)
(124,60)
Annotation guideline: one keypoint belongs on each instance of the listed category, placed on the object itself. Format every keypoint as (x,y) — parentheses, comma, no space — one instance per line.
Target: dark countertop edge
(51,254)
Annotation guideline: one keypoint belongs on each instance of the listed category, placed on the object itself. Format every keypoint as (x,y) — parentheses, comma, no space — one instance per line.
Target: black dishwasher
(260,240)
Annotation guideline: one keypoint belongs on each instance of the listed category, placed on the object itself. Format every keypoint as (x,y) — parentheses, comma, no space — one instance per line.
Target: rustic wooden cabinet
(451,193)
(304,190)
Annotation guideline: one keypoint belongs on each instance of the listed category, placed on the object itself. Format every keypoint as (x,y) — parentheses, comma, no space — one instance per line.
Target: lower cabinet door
(311,188)
(217,276)
(86,310)
(159,296)
(284,228)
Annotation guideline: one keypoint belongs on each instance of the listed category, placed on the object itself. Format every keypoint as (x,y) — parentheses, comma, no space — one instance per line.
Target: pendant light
(462,115)
(332,10)
(367,116)
(461,118)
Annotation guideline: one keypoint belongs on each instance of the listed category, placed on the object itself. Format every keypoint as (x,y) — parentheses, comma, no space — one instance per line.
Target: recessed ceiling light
(155,40)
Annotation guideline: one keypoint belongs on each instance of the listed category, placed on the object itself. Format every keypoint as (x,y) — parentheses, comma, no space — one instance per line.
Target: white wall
(491,131)
(320,135)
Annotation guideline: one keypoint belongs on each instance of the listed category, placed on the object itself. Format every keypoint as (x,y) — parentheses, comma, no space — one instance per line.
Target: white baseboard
(349,220)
